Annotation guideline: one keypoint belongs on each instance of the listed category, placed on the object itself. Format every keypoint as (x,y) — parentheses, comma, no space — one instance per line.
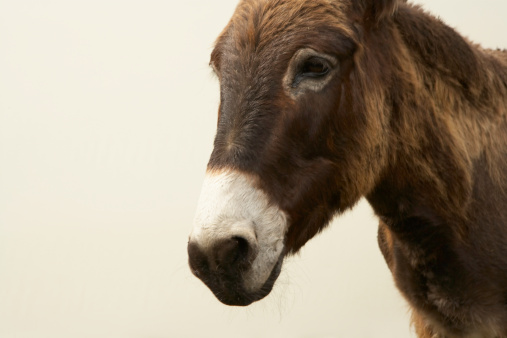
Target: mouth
(228,286)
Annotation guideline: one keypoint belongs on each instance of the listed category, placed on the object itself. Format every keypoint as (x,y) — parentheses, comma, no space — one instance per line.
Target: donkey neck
(440,51)
(448,120)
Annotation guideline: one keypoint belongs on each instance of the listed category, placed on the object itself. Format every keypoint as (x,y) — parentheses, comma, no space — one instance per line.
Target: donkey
(323,102)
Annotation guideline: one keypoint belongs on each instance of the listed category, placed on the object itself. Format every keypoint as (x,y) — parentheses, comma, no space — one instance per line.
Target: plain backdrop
(107,116)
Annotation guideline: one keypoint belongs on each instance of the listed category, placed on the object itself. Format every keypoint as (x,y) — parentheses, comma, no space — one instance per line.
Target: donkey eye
(309,70)
(314,67)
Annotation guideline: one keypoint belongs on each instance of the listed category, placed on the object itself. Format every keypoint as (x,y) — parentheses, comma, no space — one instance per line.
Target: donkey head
(298,138)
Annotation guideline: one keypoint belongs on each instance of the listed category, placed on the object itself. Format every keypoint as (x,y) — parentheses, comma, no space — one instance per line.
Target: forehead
(260,26)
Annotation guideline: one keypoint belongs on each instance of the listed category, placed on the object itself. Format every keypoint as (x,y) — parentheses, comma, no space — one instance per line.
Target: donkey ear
(375,11)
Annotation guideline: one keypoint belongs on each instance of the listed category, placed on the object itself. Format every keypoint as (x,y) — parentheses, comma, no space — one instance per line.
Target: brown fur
(415,121)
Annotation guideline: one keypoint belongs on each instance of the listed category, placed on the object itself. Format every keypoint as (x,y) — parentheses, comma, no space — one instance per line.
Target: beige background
(107,115)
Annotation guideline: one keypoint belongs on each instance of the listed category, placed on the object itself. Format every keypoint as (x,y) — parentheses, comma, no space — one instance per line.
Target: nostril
(226,257)
(233,251)
(243,247)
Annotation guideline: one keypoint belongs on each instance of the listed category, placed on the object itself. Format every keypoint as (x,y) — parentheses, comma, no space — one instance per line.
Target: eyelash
(313,67)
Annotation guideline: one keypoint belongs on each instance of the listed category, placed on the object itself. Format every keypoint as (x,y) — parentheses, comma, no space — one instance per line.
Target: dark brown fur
(415,121)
